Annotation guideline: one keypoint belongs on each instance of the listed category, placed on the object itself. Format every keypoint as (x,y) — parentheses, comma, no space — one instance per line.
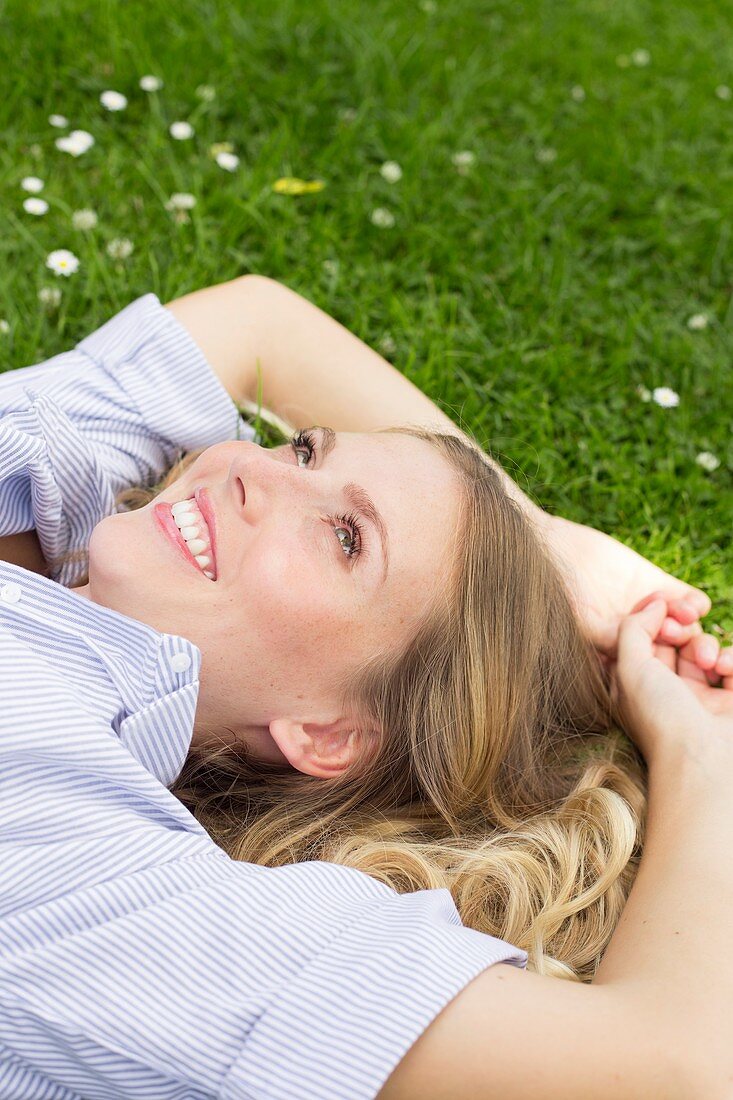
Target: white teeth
(197,546)
(192,526)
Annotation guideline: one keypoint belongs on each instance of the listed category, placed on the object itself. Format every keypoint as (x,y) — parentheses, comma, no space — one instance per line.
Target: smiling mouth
(165,520)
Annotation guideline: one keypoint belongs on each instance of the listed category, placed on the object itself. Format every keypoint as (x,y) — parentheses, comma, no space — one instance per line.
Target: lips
(164,518)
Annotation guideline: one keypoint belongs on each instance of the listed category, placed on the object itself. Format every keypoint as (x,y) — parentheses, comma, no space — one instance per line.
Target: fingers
(639,630)
(702,659)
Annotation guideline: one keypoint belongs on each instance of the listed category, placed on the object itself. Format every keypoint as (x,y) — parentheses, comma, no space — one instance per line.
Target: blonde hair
(499,773)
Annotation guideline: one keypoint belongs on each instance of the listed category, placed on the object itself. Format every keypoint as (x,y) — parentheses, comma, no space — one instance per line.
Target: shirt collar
(156,675)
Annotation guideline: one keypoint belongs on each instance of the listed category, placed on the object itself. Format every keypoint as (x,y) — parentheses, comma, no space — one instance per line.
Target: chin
(116,565)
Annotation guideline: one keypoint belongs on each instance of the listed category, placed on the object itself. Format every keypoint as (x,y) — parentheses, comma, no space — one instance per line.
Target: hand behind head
(662,698)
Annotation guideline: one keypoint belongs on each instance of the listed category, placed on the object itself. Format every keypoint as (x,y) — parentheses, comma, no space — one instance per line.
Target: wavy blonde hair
(500,774)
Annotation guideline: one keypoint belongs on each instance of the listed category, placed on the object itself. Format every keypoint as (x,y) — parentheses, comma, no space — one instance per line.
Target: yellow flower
(290,185)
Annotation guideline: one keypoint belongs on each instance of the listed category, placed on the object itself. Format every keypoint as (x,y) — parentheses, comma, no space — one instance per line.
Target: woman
(429,713)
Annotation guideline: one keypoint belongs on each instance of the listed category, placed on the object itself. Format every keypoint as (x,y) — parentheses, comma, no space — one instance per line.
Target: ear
(325,749)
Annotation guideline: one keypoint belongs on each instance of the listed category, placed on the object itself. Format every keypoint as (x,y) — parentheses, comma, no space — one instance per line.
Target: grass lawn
(535,293)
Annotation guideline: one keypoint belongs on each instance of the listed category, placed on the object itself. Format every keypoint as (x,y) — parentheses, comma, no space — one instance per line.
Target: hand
(608,580)
(661,697)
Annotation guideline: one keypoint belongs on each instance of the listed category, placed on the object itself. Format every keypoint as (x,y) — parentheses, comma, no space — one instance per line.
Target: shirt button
(11,592)
(180,662)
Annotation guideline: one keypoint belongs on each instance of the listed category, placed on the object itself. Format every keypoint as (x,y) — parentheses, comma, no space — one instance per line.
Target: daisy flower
(35,206)
(84,219)
(644,393)
(181,131)
(4,327)
(113,101)
(577,92)
(391,171)
(666,397)
(382,217)
(464,158)
(151,83)
(546,155)
(181,200)
(62,262)
(228,161)
(697,321)
(50,297)
(723,91)
(75,143)
(32,184)
(206,92)
(120,248)
(708,461)
(58,121)
(641,57)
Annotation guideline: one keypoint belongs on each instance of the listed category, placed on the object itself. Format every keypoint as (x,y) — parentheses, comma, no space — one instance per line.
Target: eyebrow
(358,499)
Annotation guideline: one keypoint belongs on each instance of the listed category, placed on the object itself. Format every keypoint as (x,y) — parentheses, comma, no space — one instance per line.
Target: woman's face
(301,598)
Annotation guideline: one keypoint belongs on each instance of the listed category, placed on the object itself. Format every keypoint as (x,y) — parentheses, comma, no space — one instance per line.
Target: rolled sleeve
(348,1018)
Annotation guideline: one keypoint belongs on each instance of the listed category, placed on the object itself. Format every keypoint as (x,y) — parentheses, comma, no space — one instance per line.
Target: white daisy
(382,217)
(35,206)
(50,297)
(546,155)
(75,143)
(391,171)
(206,92)
(4,327)
(32,184)
(464,158)
(644,393)
(641,57)
(120,248)
(62,262)
(151,83)
(181,200)
(723,91)
(58,121)
(181,131)
(708,461)
(666,397)
(113,101)
(228,161)
(577,92)
(698,321)
(387,344)
(84,219)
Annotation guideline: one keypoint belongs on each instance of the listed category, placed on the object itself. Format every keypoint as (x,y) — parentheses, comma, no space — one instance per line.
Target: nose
(269,478)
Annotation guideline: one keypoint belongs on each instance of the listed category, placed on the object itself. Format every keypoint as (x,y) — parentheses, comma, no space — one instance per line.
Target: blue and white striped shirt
(136,958)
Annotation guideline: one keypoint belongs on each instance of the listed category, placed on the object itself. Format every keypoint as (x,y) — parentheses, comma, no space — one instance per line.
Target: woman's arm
(314,371)
(655,1021)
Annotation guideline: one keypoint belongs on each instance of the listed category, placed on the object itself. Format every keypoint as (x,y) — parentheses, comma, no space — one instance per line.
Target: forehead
(415,488)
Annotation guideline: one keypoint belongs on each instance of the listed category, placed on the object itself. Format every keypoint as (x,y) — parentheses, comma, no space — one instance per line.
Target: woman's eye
(303,442)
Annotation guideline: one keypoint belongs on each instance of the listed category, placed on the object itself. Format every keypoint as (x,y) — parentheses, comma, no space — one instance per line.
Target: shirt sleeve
(118,410)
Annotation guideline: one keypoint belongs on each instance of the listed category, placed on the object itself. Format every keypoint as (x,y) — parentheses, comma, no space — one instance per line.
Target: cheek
(301,616)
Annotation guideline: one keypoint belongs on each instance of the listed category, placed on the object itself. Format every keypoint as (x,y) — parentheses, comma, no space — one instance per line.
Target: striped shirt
(136,958)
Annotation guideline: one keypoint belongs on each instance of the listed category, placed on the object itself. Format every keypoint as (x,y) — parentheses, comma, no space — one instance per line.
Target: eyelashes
(305,441)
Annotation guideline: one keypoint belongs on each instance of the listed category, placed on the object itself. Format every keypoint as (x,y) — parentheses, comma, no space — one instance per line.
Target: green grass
(528,297)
